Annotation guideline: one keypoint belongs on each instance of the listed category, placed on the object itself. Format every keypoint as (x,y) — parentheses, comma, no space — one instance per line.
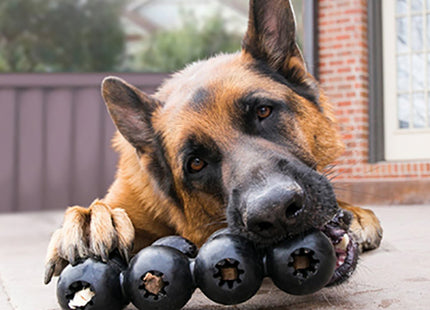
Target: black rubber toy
(181,244)
(228,269)
(159,277)
(302,265)
(100,280)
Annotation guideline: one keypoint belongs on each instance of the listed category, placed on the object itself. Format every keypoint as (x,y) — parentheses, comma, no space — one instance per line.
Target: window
(406,78)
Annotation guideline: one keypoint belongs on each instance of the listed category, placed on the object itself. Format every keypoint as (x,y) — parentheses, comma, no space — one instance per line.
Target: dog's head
(241,135)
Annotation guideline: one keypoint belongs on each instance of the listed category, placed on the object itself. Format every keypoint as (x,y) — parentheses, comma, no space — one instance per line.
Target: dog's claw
(124,255)
(96,231)
(104,256)
(53,268)
(72,258)
(49,272)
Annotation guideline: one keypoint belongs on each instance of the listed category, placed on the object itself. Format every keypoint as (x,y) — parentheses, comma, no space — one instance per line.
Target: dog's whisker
(329,172)
(338,295)
(327,299)
(329,167)
(335,175)
(220,221)
(308,171)
(339,188)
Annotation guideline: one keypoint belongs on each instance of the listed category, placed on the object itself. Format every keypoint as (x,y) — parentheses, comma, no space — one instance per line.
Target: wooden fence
(55,137)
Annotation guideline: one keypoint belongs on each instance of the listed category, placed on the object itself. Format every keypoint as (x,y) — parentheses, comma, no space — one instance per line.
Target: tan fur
(366,228)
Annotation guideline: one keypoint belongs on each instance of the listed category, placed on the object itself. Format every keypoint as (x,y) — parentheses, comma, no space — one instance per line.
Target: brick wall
(344,77)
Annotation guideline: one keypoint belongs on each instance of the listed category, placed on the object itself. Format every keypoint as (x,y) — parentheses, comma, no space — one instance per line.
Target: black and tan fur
(210,111)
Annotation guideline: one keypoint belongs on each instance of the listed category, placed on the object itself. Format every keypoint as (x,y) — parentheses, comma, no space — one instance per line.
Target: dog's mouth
(346,250)
(337,230)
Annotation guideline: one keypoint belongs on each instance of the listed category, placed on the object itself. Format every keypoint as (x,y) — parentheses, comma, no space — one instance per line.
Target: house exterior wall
(49,125)
(343,67)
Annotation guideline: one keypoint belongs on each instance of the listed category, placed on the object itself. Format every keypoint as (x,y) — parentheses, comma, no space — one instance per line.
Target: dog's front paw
(365,227)
(89,232)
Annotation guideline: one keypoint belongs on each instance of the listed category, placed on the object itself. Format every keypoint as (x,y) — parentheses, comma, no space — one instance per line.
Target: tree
(170,50)
(61,35)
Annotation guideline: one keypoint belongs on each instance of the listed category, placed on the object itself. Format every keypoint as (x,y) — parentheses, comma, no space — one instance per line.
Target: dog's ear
(131,111)
(271,38)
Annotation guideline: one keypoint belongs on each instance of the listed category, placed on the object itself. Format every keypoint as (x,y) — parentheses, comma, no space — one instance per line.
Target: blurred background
(372,58)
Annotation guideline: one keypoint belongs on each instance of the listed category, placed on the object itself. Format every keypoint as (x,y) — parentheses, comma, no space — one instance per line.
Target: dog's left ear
(131,110)
(271,38)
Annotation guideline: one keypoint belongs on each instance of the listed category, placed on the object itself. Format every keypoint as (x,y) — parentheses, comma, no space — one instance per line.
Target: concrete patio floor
(396,276)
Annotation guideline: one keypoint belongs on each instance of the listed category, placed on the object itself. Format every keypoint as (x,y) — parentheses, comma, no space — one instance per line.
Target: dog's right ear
(271,38)
(131,110)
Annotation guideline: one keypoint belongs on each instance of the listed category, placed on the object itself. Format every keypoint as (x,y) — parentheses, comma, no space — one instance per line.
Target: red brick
(344,76)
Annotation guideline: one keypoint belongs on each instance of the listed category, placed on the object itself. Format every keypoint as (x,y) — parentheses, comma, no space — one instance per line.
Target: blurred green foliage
(170,50)
(60,35)
(87,36)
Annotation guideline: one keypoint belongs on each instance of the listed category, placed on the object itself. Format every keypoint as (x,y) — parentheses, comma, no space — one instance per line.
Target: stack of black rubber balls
(228,269)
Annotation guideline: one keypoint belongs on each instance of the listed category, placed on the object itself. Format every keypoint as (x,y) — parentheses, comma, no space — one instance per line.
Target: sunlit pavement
(396,276)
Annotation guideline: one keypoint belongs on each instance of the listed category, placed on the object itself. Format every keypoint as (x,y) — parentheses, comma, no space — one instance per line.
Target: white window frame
(400,144)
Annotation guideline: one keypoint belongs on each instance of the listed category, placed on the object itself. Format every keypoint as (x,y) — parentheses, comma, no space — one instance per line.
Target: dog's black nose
(271,209)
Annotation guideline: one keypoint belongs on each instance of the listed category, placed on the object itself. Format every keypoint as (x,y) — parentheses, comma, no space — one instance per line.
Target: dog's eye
(196,164)
(264,112)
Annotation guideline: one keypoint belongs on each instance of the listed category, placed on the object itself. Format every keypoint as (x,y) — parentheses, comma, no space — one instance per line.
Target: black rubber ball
(158,277)
(228,269)
(91,285)
(179,243)
(302,265)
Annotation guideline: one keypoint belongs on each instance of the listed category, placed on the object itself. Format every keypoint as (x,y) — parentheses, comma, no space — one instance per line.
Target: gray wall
(55,137)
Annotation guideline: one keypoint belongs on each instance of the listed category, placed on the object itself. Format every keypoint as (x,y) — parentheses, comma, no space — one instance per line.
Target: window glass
(413,67)
(417,5)
(402,6)
(403,110)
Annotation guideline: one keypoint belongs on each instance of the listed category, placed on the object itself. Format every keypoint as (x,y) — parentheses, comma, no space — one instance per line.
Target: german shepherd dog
(238,140)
